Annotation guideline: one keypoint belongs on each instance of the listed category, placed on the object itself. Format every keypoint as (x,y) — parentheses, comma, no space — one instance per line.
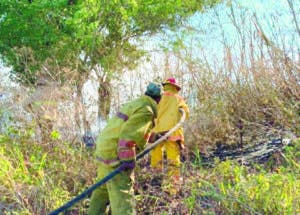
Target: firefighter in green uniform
(123,137)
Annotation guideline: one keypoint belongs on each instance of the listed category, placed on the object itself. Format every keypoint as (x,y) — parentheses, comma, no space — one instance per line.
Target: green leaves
(29,33)
(55,135)
(105,32)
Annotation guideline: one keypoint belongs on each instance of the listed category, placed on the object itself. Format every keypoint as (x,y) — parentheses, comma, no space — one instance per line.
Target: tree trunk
(80,110)
(104,98)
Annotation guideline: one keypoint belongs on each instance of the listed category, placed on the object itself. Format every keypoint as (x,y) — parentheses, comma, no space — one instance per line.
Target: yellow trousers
(118,193)
(173,158)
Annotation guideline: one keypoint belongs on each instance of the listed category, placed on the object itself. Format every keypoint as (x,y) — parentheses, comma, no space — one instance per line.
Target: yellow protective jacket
(127,131)
(168,113)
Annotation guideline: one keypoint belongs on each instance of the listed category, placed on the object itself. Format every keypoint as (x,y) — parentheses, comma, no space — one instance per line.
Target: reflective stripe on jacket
(168,113)
(140,113)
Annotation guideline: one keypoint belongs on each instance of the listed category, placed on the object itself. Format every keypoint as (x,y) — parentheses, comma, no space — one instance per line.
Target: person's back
(168,116)
(168,113)
(118,127)
(118,142)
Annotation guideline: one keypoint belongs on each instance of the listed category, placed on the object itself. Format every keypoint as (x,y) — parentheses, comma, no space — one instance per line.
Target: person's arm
(133,133)
(184,106)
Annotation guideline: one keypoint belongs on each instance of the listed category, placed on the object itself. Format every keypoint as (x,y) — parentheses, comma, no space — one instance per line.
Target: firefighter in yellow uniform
(124,136)
(168,117)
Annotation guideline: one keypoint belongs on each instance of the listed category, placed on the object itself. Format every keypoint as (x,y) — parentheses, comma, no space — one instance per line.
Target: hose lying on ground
(89,190)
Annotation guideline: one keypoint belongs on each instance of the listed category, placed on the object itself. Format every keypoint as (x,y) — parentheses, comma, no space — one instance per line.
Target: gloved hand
(152,138)
(180,144)
(155,136)
(127,165)
(88,140)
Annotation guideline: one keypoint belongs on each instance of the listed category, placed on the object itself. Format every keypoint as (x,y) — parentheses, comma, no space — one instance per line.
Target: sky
(204,35)
(273,16)
(279,8)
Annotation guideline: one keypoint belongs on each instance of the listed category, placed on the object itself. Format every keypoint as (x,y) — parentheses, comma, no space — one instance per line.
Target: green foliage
(37,178)
(55,135)
(29,34)
(260,192)
(55,33)
(226,188)
(292,156)
(235,189)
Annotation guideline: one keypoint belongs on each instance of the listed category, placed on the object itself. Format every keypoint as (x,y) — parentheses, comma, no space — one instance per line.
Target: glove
(88,140)
(127,165)
(126,150)
(180,144)
(152,138)
(155,136)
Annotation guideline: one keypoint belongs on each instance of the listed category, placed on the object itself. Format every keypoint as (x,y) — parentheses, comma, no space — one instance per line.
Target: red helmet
(172,81)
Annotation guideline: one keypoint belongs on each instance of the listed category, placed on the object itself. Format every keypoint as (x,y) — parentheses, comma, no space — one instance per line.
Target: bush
(37,178)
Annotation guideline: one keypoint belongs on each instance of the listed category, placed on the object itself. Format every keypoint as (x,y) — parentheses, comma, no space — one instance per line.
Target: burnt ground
(152,198)
(258,152)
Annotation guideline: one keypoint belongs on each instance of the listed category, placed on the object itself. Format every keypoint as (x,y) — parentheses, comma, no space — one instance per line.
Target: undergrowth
(229,188)
(37,178)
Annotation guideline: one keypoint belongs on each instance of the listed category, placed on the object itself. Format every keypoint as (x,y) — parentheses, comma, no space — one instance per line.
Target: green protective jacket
(131,125)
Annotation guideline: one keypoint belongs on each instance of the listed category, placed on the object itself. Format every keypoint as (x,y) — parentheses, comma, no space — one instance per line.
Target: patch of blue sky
(279,11)
(208,32)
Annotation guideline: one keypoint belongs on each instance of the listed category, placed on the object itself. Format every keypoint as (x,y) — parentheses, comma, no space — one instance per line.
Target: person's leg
(99,199)
(156,157)
(173,158)
(156,162)
(173,169)
(120,189)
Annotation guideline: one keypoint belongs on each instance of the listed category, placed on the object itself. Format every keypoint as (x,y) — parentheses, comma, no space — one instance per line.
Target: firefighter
(123,137)
(168,117)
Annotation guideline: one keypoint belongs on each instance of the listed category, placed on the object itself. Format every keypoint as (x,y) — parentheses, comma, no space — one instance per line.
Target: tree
(66,39)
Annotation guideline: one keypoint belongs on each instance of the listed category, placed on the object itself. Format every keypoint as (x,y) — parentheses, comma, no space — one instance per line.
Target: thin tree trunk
(80,110)
(294,16)
(104,98)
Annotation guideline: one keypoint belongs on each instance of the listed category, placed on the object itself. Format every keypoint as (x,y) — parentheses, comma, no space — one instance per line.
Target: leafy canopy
(80,34)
